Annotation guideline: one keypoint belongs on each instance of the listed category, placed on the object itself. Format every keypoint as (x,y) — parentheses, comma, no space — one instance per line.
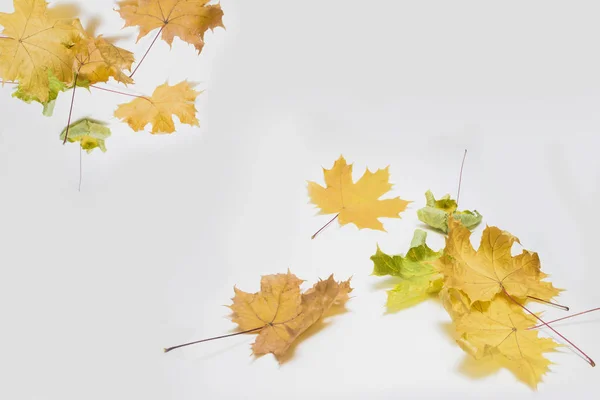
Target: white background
(95,283)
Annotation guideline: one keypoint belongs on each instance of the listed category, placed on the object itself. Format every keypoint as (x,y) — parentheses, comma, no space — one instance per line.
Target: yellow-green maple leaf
(420,279)
(37,41)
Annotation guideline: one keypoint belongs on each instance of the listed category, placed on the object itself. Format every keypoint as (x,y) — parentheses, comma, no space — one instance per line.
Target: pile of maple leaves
(484,291)
(46,51)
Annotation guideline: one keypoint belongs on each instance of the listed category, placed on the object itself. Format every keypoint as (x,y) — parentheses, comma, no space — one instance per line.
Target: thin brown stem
(462,165)
(118,92)
(9,82)
(565,308)
(80,167)
(147,51)
(325,226)
(168,349)
(563,318)
(587,358)
(71,108)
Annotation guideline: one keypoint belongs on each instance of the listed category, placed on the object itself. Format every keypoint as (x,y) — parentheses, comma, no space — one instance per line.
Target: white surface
(95,284)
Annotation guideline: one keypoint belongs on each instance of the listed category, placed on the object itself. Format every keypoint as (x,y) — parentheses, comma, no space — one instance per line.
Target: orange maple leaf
(186,19)
(280,312)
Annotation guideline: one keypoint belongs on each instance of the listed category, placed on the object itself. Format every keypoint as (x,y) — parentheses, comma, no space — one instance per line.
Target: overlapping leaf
(491,269)
(97,59)
(437,212)
(280,313)
(37,47)
(420,279)
(499,330)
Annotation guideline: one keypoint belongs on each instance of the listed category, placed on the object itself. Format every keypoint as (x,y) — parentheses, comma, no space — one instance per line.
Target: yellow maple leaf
(491,269)
(356,203)
(96,60)
(499,330)
(159,109)
(186,19)
(280,312)
(37,41)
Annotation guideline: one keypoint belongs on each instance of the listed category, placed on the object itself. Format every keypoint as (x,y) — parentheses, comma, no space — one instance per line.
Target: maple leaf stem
(80,167)
(147,51)
(563,318)
(325,226)
(118,92)
(587,358)
(462,165)
(565,308)
(9,82)
(212,338)
(71,107)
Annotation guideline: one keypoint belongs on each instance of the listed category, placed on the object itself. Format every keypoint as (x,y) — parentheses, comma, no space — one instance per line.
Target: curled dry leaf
(159,109)
(437,212)
(89,133)
(186,19)
(280,313)
(359,202)
(492,269)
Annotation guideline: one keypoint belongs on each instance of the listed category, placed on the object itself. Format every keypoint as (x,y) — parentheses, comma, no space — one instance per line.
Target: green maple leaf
(89,133)
(419,278)
(436,212)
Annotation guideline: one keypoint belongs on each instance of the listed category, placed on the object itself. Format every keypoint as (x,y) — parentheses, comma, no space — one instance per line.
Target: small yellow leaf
(359,202)
(159,109)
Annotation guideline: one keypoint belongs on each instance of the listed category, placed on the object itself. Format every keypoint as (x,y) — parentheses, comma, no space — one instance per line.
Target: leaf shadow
(387,283)
(317,327)
(469,366)
(64,10)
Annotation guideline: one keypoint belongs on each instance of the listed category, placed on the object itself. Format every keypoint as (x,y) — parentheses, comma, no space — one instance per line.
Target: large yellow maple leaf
(359,202)
(186,19)
(499,330)
(280,312)
(37,45)
(159,109)
(491,269)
